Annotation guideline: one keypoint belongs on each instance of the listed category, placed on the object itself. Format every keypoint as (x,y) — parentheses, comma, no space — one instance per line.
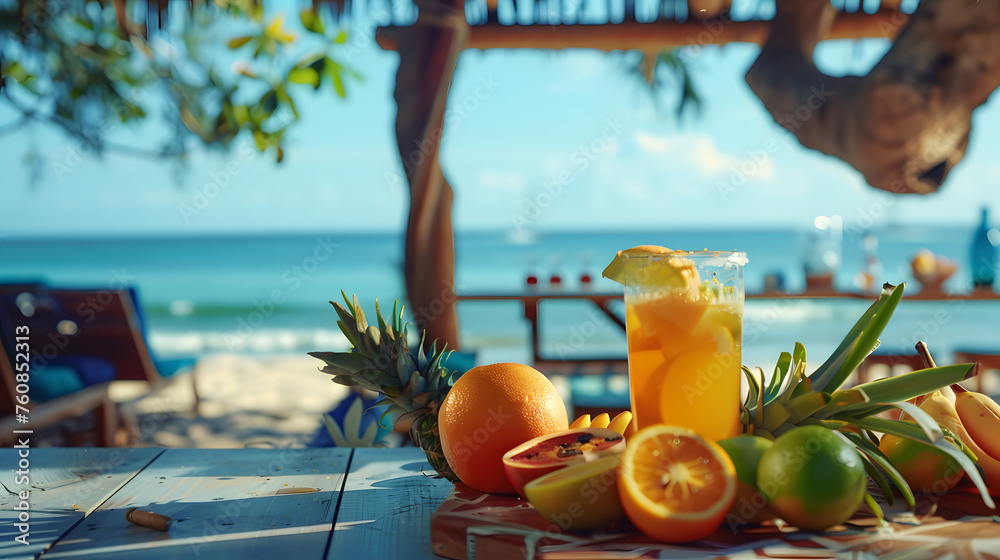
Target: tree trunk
(906,124)
(427,55)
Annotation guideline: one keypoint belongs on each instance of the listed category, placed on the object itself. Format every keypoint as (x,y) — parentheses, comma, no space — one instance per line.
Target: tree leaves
(239,41)
(84,70)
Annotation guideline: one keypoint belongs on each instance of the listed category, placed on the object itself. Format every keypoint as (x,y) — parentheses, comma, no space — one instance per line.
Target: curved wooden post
(427,54)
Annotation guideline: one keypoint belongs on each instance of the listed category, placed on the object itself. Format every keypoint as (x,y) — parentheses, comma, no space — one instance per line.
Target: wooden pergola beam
(653,36)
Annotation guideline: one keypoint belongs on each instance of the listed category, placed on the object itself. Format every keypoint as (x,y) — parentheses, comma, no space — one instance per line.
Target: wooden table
(224,503)
(335,503)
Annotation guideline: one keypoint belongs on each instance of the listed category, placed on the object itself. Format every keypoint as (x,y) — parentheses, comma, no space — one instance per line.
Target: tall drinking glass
(684,316)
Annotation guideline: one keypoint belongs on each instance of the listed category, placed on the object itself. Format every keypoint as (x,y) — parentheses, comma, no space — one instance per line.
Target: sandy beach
(244,401)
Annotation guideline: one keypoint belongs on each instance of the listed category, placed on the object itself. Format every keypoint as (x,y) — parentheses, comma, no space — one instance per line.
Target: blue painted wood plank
(224,503)
(64,486)
(386,508)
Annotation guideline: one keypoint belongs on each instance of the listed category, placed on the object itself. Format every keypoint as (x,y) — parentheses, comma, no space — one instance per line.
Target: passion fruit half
(549,453)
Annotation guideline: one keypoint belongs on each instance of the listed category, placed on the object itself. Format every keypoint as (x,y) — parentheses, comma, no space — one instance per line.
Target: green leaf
(304,76)
(350,361)
(312,21)
(876,509)
(910,430)
(260,138)
(858,343)
(873,453)
(798,354)
(779,377)
(777,413)
(841,401)
(378,316)
(241,113)
(914,383)
(282,95)
(334,430)
(878,478)
(338,84)
(239,41)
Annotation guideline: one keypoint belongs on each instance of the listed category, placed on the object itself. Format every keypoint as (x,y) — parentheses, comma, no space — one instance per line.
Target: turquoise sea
(268,294)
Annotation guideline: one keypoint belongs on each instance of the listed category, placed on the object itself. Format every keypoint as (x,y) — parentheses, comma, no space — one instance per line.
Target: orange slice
(674,485)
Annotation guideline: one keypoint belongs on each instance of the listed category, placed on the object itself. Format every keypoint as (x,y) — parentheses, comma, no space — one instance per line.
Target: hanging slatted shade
(503,22)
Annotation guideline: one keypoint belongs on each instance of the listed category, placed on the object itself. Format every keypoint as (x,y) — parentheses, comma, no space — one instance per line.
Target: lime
(581,496)
(812,477)
(745,451)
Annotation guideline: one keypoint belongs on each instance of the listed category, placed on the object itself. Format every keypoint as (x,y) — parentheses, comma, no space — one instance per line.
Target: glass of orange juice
(684,318)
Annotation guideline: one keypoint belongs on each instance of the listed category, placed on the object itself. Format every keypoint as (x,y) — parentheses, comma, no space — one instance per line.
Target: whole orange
(490,410)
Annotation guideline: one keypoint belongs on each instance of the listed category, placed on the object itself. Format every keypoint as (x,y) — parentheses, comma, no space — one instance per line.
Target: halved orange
(675,485)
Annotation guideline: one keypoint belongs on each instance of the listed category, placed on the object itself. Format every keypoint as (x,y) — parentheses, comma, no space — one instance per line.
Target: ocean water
(270,294)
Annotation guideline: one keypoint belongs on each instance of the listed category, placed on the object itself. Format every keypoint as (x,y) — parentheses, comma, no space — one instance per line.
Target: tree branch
(906,124)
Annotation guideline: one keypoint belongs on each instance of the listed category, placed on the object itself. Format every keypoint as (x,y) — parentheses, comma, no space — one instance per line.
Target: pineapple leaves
(859,342)
(413,384)
(949,445)
(921,382)
(872,455)
(349,361)
(778,377)
(876,509)
(350,435)
(378,314)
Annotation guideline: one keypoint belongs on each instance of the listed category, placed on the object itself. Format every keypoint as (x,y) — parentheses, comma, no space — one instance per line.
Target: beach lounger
(86,411)
(80,339)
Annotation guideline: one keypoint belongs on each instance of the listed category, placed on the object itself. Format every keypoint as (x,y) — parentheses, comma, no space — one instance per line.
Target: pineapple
(413,384)
(791,399)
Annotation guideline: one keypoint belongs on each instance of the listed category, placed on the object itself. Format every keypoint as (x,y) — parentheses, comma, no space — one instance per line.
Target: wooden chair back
(99,323)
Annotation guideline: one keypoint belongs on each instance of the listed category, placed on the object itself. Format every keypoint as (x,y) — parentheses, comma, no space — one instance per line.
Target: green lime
(750,506)
(812,477)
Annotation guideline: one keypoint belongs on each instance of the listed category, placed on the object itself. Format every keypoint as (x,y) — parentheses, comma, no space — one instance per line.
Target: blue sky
(518,120)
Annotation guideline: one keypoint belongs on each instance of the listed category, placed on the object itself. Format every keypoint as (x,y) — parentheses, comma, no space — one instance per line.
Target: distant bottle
(585,278)
(983,255)
(873,266)
(555,280)
(532,278)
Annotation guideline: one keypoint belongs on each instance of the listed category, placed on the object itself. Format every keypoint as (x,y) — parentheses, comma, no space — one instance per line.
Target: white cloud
(509,181)
(709,159)
(652,143)
(700,151)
